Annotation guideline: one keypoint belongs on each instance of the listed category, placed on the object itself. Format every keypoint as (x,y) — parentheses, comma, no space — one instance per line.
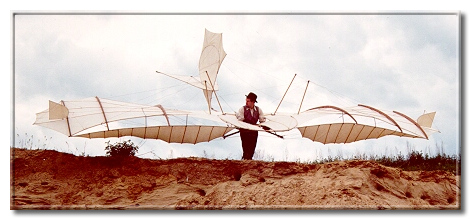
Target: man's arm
(241,114)
(262,118)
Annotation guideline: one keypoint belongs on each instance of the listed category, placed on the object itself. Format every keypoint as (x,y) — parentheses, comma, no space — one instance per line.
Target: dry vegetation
(46,179)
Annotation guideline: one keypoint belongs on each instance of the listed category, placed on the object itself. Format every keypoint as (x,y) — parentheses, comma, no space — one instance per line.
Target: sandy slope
(43,179)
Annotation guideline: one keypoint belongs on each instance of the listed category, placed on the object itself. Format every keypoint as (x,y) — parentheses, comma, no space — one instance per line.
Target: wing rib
(68,123)
(104,115)
(336,108)
(164,113)
(382,113)
(412,121)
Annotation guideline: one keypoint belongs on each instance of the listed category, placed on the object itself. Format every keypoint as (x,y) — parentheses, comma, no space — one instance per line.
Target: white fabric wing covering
(172,134)
(276,123)
(86,114)
(92,117)
(211,58)
(347,133)
(232,119)
(280,122)
(329,125)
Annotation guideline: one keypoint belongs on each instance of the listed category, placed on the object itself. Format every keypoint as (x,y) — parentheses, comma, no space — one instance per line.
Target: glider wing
(334,125)
(102,118)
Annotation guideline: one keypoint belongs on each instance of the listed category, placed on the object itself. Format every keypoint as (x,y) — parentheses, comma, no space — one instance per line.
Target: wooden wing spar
(103,118)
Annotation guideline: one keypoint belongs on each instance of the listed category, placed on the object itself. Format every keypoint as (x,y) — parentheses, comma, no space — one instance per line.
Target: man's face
(250,103)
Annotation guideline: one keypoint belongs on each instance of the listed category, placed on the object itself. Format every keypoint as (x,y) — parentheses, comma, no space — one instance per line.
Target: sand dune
(44,179)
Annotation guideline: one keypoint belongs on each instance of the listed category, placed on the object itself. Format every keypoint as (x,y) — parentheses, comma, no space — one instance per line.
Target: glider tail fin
(210,60)
(57,111)
(212,56)
(425,121)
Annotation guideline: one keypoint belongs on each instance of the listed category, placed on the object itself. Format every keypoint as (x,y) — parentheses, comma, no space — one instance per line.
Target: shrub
(124,149)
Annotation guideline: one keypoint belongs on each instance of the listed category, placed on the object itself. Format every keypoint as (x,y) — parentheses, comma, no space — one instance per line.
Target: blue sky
(408,63)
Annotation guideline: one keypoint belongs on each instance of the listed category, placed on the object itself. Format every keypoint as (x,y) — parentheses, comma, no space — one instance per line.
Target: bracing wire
(345,99)
(336,94)
(139,92)
(227,103)
(247,83)
(167,96)
(154,101)
(257,70)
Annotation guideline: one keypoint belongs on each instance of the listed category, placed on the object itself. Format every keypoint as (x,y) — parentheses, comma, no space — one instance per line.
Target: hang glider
(103,118)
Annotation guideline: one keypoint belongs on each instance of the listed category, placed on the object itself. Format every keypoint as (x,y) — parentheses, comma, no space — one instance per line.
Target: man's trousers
(249,139)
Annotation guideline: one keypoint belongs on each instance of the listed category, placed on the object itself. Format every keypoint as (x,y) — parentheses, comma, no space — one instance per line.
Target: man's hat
(252,96)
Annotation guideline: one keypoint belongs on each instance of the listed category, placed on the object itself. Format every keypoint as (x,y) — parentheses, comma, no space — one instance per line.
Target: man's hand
(266,128)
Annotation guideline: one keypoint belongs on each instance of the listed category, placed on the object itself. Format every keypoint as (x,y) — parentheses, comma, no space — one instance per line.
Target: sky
(403,62)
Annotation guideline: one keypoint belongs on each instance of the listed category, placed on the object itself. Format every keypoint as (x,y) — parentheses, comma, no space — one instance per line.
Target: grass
(419,161)
(415,160)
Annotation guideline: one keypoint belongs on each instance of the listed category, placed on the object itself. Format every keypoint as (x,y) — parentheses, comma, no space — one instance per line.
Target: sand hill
(44,179)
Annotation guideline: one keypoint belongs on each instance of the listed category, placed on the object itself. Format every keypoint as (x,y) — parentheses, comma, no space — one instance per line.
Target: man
(250,114)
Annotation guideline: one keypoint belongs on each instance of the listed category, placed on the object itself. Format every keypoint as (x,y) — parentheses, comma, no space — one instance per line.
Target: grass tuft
(415,160)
